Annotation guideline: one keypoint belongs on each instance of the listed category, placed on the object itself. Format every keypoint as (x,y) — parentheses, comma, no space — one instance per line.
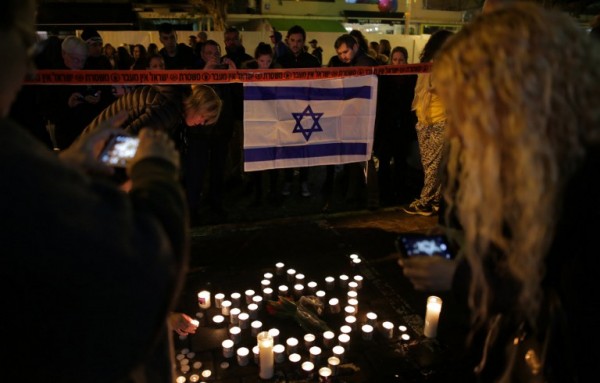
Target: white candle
(218,299)
(308,368)
(294,358)
(315,354)
(352,294)
(256,327)
(343,280)
(185,369)
(206,374)
(334,305)
(279,268)
(353,302)
(267,293)
(225,307)
(405,338)
(432,316)
(338,351)
(349,310)
(184,361)
(328,337)
(388,329)
(234,316)
(351,321)
(345,329)
(291,275)
(249,295)
(279,352)
(180,379)
(371,318)
(298,290)
(274,334)
(197,365)
(356,262)
(235,334)
(257,300)
(266,358)
(333,362)
(352,285)
(329,283)
(235,299)
(325,373)
(309,340)
(367,332)
(344,340)
(291,345)
(243,320)
(283,290)
(359,280)
(354,256)
(256,354)
(312,286)
(204,299)
(227,345)
(265,283)
(194,378)
(242,356)
(252,310)
(320,294)
(402,328)
(218,319)
(300,278)
(268,275)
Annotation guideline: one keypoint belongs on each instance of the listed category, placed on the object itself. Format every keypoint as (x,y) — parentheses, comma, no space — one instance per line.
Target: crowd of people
(508,124)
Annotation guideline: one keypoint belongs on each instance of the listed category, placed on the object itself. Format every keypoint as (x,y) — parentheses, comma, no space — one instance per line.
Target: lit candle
(352,294)
(329,283)
(351,321)
(185,369)
(352,285)
(225,307)
(180,379)
(356,262)
(266,358)
(257,300)
(308,368)
(405,338)
(279,268)
(291,275)
(184,361)
(242,356)
(268,276)
(344,342)
(256,354)
(243,320)
(343,281)
(256,327)
(274,334)
(279,352)
(227,345)
(235,299)
(218,299)
(402,328)
(324,374)
(252,310)
(333,362)
(388,329)
(249,295)
(359,281)
(234,316)
(334,305)
(312,287)
(371,318)
(294,358)
(367,332)
(345,329)
(267,293)
(206,374)
(291,345)
(309,340)
(283,290)
(300,278)
(353,302)
(265,283)
(354,256)
(204,299)
(194,378)
(298,290)
(235,334)
(338,351)
(320,294)
(197,365)
(218,319)
(349,310)
(315,354)
(432,316)
(328,337)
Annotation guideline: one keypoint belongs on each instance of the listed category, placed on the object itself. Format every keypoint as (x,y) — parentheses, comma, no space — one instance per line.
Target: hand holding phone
(119,150)
(411,245)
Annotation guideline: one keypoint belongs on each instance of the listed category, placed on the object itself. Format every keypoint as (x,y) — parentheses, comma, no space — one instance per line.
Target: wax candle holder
(333,362)
(243,356)
(328,339)
(334,306)
(204,299)
(227,345)
(343,280)
(387,328)
(291,345)
(266,357)
(279,352)
(219,297)
(243,320)
(432,316)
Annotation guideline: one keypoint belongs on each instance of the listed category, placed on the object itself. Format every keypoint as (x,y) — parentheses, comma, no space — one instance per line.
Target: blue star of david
(308,112)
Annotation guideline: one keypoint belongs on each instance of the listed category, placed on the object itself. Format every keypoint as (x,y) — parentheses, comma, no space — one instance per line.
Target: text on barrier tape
(175,77)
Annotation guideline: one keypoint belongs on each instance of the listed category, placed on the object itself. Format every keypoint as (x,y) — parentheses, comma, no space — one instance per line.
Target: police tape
(179,77)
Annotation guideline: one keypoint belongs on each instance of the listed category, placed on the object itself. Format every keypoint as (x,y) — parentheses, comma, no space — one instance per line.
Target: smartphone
(119,150)
(411,245)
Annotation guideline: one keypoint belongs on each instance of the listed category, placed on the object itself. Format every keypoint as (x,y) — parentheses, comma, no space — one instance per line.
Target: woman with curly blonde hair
(520,86)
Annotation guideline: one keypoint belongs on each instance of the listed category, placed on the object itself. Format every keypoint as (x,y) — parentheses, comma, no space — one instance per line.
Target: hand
(155,143)
(229,62)
(429,273)
(84,152)
(182,324)
(75,99)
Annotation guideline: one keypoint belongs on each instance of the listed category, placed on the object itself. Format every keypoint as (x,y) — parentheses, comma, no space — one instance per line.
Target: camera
(119,150)
(411,245)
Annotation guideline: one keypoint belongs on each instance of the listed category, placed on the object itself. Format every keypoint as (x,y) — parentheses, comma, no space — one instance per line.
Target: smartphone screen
(119,150)
(411,245)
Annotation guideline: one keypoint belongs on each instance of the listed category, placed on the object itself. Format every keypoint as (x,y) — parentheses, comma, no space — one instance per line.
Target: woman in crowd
(139,57)
(520,86)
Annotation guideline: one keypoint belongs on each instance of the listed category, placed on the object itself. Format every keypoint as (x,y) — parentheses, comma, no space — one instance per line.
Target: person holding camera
(90,273)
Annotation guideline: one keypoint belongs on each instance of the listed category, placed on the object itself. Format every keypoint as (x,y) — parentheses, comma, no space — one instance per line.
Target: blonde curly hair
(520,86)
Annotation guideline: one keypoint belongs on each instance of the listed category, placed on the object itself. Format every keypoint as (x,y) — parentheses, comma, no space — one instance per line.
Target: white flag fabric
(308,122)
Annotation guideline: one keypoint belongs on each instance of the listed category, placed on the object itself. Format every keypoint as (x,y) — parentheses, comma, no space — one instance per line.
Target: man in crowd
(177,56)
(317,51)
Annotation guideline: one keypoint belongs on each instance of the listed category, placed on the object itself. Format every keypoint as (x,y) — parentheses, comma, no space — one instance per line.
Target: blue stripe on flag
(314,150)
(258,93)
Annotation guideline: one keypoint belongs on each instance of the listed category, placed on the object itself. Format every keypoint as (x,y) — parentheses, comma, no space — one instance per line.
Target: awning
(309,25)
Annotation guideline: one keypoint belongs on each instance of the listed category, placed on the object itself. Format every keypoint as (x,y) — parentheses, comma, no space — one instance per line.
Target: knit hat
(91,36)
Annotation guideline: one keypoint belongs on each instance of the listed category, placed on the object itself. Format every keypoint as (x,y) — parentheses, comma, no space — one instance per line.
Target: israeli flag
(308,122)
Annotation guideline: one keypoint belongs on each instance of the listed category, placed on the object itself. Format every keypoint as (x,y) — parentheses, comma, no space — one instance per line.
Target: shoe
(304,190)
(416,208)
(286,190)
